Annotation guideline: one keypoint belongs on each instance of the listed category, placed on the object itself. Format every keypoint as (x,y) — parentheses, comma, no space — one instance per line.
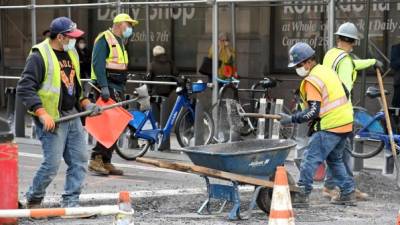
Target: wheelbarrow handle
(260,115)
(88,112)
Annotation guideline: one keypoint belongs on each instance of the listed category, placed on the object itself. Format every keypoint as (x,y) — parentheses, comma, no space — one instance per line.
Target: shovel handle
(260,115)
(86,113)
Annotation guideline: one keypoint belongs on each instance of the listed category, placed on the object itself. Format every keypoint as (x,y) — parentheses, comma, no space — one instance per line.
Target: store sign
(308,27)
(183,12)
(343,6)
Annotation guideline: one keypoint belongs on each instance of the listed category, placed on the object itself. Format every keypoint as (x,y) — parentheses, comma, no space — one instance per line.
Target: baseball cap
(64,25)
(123,17)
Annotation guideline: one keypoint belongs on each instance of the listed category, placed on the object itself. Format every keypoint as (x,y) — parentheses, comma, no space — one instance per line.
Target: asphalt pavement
(162,196)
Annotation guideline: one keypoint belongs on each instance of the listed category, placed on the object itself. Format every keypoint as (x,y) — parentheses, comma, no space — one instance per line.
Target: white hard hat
(158,50)
(348,30)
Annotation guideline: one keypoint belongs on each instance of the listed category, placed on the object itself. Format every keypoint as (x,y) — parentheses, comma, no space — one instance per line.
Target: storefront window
(175,27)
(307,23)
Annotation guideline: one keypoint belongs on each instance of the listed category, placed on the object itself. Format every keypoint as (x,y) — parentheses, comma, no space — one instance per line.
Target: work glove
(96,110)
(105,93)
(45,119)
(378,65)
(285,119)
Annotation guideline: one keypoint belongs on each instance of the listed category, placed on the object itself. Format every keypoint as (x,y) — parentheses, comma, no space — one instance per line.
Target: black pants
(99,149)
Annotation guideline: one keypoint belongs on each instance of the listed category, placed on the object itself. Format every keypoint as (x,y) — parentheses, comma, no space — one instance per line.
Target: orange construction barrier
(281,212)
(398,219)
(78,212)
(9,180)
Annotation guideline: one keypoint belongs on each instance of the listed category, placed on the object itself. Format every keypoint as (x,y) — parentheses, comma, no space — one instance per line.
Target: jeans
(330,182)
(325,146)
(67,142)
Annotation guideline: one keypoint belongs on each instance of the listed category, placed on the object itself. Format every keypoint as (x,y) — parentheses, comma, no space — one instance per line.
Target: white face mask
(302,72)
(70,45)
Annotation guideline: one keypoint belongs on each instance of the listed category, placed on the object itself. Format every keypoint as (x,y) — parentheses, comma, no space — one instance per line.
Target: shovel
(259,115)
(389,126)
(143,99)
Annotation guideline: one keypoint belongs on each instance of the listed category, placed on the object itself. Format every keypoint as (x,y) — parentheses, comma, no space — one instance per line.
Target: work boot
(96,166)
(330,193)
(345,199)
(301,200)
(112,170)
(33,204)
(361,196)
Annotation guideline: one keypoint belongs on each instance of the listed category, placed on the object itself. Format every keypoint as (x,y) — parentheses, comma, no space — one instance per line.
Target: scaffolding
(214,4)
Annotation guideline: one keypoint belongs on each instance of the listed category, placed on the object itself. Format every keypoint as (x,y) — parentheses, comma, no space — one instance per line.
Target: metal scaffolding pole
(331,23)
(364,54)
(118,6)
(233,24)
(69,13)
(148,37)
(215,51)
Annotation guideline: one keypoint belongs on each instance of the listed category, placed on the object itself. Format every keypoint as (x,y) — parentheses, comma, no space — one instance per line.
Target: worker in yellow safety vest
(326,103)
(341,61)
(109,73)
(50,87)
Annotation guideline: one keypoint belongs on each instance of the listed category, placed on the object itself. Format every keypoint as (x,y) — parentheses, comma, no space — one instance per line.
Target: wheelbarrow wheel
(264,198)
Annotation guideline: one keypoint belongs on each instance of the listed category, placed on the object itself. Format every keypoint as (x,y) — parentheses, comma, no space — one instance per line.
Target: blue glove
(285,119)
(96,110)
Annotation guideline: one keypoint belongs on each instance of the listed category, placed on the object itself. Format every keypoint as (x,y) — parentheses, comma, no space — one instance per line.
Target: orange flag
(107,127)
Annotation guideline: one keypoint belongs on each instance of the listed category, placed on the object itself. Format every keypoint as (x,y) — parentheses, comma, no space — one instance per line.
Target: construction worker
(326,104)
(109,73)
(50,87)
(341,61)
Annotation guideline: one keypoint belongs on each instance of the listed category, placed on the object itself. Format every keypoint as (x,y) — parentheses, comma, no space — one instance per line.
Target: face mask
(70,45)
(127,32)
(302,72)
(81,45)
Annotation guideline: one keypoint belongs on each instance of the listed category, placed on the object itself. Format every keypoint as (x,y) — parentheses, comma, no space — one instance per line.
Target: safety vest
(332,59)
(117,58)
(50,90)
(336,110)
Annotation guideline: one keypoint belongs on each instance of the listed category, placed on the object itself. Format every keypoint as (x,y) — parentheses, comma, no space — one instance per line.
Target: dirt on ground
(380,209)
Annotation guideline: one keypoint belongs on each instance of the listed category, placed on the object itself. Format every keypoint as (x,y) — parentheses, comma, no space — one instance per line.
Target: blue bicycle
(146,132)
(370,130)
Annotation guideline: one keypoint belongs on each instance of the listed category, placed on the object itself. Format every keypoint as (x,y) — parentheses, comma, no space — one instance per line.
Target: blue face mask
(127,32)
(70,45)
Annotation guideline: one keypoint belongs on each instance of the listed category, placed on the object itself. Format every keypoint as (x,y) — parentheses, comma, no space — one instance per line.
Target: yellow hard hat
(123,17)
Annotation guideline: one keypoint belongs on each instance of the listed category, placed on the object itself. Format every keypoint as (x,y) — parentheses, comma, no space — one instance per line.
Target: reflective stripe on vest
(326,104)
(335,109)
(50,90)
(114,61)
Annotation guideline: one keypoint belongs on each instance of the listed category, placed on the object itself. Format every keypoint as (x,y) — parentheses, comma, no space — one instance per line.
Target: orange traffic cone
(281,212)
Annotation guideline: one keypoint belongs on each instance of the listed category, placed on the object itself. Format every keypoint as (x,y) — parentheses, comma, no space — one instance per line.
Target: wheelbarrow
(252,158)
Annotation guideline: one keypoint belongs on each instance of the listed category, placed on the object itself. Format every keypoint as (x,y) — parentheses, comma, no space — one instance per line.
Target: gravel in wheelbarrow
(257,158)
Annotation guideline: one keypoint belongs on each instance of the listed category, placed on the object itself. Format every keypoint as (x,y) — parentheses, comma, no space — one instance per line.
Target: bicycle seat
(268,83)
(374,92)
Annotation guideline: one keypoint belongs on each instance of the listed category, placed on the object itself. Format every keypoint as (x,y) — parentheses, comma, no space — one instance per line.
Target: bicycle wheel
(371,147)
(138,150)
(184,129)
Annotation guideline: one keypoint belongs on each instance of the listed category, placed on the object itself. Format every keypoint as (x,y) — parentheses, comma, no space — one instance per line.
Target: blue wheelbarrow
(255,159)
